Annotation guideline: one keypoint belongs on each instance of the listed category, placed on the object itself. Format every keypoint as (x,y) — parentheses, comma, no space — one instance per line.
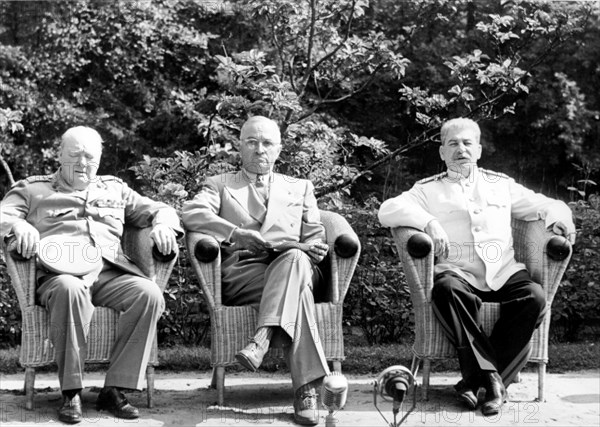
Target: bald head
(81,133)
(80,152)
(262,122)
(260,144)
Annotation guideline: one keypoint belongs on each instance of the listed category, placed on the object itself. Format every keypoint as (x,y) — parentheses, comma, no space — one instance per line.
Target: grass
(564,357)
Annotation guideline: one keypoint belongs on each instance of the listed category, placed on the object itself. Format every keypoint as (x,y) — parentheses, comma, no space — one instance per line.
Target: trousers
(280,286)
(71,302)
(457,304)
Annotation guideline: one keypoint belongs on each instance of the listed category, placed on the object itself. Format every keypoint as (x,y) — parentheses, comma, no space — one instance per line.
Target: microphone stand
(396,406)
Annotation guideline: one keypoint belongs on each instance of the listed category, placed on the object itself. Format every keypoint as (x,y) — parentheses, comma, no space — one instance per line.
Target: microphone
(333,395)
(396,385)
(393,384)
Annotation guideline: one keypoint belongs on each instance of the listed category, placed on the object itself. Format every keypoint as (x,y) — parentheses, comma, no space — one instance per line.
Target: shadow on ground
(184,399)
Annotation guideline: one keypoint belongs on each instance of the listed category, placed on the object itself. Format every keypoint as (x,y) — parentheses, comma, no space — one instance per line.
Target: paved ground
(264,399)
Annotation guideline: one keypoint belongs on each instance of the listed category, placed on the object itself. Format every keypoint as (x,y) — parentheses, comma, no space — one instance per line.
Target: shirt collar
(456,176)
(253,177)
(59,183)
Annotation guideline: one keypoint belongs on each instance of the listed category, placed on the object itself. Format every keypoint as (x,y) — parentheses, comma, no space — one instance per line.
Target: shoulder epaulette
(38,178)
(433,178)
(492,173)
(108,178)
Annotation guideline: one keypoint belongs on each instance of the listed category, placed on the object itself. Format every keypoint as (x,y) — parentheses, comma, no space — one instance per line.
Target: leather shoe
(251,356)
(115,402)
(70,411)
(467,394)
(306,409)
(495,394)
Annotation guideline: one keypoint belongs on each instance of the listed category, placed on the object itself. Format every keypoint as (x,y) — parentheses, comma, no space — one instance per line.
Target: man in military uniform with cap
(467,213)
(76,204)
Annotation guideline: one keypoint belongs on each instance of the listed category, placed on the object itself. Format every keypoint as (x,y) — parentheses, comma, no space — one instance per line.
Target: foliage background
(359,88)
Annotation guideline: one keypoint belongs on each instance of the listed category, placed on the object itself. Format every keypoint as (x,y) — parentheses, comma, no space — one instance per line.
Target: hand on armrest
(439,237)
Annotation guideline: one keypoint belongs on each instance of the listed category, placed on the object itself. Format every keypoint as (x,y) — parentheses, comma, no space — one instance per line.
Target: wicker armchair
(546,257)
(232,326)
(36,349)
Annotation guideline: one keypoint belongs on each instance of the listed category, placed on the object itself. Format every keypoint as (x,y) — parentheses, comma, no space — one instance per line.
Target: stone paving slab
(265,399)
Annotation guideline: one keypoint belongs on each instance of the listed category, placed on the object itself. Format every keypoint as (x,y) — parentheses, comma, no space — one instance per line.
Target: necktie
(261,186)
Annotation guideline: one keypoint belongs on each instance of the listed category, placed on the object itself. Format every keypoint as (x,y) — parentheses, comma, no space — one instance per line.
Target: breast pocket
(116,213)
(497,211)
(495,201)
(61,214)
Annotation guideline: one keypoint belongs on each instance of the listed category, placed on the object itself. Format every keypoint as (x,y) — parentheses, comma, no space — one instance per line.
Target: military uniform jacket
(228,201)
(476,214)
(97,213)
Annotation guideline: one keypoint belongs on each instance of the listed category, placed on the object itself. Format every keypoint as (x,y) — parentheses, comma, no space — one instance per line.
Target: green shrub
(576,306)
(378,299)
(173,180)
(10,313)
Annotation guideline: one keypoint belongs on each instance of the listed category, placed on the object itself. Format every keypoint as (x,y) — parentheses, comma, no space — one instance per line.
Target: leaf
(455,90)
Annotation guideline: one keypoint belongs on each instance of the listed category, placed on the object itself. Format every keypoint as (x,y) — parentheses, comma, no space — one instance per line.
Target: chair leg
(218,382)
(426,372)
(414,365)
(541,380)
(29,387)
(150,385)
(213,379)
(337,366)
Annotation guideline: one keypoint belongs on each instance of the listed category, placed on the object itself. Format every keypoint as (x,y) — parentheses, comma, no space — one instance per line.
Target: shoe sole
(469,403)
(490,410)
(115,413)
(245,362)
(305,421)
(69,421)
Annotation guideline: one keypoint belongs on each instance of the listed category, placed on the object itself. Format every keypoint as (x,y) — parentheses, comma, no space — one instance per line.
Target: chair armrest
(22,273)
(205,256)
(545,254)
(138,246)
(414,249)
(344,251)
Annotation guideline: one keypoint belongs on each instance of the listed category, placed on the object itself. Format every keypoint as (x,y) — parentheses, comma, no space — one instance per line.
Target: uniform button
(477,229)
(476,211)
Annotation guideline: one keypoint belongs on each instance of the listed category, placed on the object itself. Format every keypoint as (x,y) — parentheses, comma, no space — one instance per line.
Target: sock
(70,394)
(263,336)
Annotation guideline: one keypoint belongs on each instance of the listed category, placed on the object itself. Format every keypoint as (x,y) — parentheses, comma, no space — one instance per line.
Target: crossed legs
(287,308)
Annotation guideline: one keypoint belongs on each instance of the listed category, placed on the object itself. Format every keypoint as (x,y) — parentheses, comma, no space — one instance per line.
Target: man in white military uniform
(467,213)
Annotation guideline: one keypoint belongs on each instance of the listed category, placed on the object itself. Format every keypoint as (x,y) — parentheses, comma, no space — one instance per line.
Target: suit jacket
(227,201)
(97,213)
(476,214)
